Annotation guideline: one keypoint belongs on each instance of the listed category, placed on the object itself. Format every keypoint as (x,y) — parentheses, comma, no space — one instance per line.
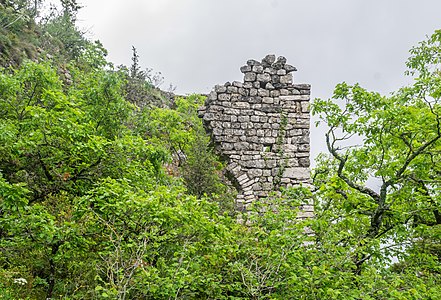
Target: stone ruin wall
(261,127)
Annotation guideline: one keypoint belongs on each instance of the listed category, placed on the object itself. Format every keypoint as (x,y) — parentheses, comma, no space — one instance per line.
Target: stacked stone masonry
(261,126)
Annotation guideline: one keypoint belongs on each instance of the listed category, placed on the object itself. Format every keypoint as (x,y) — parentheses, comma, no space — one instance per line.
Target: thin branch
(342,162)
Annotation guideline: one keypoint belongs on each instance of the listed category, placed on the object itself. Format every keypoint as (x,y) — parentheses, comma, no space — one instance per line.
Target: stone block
(238,132)
(304,148)
(275,79)
(263,93)
(289,68)
(241,105)
(243,119)
(253,139)
(249,76)
(246,112)
(281,72)
(254,173)
(220,89)
(268,108)
(267,100)
(224,97)
(275,93)
(257,69)
(242,178)
(257,187)
(264,77)
(302,86)
(226,146)
(247,85)
(270,71)
(254,118)
(218,131)
(270,163)
(263,119)
(304,162)
(245,69)
(228,131)
(305,106)
(237,84)
(268,60)
(286,79)
(253,62)
(268,140)
(279,63)
(225,104)
(267,186)
(243,92)
(269,86)
(232,111)
(297,173)
(209,116)
(241,146)
(232,89)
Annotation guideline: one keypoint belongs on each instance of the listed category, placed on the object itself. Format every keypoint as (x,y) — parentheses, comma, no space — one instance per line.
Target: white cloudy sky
(199,43)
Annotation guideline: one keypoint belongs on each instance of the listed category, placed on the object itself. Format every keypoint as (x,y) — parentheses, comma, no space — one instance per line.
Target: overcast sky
(199,43)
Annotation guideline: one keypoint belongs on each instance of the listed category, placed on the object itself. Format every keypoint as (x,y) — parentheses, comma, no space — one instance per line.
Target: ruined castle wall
(261,126)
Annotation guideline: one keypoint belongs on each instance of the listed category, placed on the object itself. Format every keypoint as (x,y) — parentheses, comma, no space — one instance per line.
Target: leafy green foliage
(70,156)
(401,146)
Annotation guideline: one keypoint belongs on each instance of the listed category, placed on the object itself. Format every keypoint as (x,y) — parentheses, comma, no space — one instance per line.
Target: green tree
(142,86)
(400,149)
(54,148)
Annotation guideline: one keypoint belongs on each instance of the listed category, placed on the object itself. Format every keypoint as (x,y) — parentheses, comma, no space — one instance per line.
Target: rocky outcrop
(261,127)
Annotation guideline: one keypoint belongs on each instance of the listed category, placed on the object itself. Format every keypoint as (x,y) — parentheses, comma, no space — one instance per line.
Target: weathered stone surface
(281,72)
(224,97)
(245,69)
(220,89)
(289,68)
(268,60)
(257,69)
(237,84)
(250,76)
(269,86)
(264,77)
(286,79)
(262,127)
(297,173)
(280,63)
(253,62)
